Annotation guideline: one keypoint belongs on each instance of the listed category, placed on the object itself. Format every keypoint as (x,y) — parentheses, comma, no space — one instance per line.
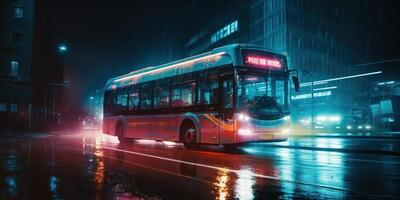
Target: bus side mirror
(296,83)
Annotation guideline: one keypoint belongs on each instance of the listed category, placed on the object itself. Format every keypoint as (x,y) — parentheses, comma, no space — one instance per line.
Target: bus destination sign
(262,61)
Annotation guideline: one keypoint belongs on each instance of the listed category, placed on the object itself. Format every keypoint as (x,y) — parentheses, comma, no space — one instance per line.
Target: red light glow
(262,61)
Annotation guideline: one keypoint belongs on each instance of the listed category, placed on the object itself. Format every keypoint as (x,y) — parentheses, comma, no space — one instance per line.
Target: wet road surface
(89,165)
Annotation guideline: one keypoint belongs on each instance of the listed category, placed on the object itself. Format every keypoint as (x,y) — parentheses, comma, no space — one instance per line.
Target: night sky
(110,38)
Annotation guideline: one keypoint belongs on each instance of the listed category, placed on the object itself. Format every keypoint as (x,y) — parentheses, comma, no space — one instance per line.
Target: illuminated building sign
(224,32)
(316,94)
(261,61)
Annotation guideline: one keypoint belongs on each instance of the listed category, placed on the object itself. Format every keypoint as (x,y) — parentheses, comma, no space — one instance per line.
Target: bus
(228,96)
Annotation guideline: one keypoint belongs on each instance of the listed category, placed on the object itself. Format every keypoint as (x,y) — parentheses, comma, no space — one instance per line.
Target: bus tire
(120,132)
(188,134)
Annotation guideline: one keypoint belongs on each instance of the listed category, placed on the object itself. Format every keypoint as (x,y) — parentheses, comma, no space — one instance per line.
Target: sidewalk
(23,134)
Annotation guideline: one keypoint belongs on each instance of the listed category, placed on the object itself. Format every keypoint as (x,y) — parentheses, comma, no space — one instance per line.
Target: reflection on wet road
(93,166)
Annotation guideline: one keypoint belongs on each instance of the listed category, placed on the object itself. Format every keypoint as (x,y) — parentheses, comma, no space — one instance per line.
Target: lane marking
(225,169)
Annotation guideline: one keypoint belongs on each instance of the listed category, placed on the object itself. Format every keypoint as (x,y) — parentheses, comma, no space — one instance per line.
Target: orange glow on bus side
(262,62)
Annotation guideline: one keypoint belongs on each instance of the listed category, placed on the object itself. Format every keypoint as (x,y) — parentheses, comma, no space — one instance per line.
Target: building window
(13,107)
(14,66)
(16,38)
(3,107)
(18,12)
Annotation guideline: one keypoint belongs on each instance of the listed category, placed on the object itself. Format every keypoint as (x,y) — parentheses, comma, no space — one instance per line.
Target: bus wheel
(189,136)
(120,133)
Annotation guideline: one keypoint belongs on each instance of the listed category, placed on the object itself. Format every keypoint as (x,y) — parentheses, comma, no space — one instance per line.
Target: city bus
(229,96)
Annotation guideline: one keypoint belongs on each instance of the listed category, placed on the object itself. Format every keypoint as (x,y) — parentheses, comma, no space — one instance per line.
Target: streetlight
(62,48)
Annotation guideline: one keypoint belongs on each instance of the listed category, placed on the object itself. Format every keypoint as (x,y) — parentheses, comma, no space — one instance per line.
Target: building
(328,42)
(16,25)
(226,23)
(385,105)
(31,67)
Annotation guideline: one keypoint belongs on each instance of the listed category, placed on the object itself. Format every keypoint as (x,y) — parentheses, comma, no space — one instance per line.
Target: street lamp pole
(312,100)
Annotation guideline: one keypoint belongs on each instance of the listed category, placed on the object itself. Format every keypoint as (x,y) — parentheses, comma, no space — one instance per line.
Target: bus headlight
(243,117)
(286,130)
(286,118)
(245,131)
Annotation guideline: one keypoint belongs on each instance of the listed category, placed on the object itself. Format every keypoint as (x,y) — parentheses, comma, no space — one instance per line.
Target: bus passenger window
(122,102)
(133,103)
(228,94)
(208,89)
(146,96)
(161,94)
(183,95)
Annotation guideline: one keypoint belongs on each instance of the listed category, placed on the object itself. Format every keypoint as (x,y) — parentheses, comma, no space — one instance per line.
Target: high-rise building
(16,25)
(328,42)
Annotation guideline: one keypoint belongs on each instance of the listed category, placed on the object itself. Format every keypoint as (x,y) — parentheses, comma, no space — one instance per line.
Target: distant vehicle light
(334,118)
(245,131)
(321,118)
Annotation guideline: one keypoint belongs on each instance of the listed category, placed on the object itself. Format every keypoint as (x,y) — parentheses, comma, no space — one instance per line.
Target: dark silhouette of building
(16,25)
(31,67)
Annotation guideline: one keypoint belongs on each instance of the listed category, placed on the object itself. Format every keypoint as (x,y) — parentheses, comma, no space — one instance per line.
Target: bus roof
(229,54)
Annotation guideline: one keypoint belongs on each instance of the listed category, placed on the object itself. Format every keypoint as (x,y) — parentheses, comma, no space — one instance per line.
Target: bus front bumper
(244,136)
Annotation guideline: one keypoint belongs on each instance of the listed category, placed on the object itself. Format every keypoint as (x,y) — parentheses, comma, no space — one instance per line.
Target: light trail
(325,88)
(339,78)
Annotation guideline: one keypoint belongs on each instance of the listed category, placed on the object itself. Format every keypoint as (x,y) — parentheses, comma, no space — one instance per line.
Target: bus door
(226,110)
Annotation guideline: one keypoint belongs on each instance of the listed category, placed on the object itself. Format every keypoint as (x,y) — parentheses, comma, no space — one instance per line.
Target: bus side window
(122,102)
(183,94)
(228,93)
(161,94)
(133,103)
(208,88)
(146,93)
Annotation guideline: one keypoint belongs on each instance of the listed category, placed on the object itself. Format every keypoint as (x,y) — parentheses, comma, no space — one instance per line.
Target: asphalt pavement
(89,165)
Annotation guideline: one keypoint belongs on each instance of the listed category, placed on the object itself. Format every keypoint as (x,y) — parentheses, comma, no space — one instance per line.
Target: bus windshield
(262,96)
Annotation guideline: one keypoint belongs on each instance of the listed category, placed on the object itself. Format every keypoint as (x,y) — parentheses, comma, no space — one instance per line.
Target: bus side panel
(226,132)
(109,125)
(209,126)
(166,127)
(138,127)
